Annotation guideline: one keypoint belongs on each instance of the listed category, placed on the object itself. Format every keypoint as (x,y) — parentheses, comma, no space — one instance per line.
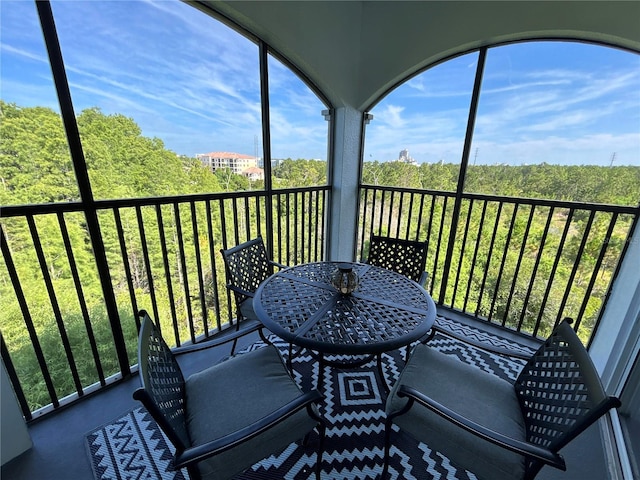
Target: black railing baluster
(398,222)
(407,234)
(574,270)
(247,219)
(225,245)
(28,320)
(184,274)
(438,244)
(374,198)
(214,274)
(309,226)
(223,225)
(496,226)
(318,220)
(390,217)
(279,214)
(296,233)
(475,255)
(259,225)
(419,222)
(81,300)
(199,274)
(556,262)
(534,273)
(505,253)
(288,231)
(462,252)
(516,272)
(304,228)
(429,225)
(236,230)
(365,206)
(147,262)
(127,268)
(323,225)
(167,270)
(382,204)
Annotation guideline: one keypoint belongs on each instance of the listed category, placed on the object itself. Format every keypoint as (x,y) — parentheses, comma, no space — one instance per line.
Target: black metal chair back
(163,385)
(560,393)
(407,257)
(194,414)
(247,265)
(492,427)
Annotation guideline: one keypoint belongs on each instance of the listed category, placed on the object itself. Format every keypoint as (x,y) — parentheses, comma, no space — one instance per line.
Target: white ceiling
(355,51)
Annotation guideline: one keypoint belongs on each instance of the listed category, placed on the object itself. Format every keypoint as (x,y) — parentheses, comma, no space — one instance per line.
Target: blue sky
(560,102)
(191,81)
(182,76)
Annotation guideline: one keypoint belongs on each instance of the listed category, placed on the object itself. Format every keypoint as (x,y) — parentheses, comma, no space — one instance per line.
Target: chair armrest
(216,341)
(423,279)
(235,289)
(279,265)
(481,345)
(214,447)
(523,448)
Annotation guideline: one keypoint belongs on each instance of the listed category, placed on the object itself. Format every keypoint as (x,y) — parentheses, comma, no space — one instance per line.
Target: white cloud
(391,116)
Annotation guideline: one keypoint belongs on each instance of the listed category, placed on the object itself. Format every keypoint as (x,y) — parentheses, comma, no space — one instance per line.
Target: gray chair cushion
(473,393)
(235,393)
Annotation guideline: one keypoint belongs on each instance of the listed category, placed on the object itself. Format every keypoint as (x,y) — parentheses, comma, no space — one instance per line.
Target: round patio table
(386,311)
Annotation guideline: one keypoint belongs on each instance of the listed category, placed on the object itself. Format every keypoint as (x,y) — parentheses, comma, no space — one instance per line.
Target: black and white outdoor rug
(133,447)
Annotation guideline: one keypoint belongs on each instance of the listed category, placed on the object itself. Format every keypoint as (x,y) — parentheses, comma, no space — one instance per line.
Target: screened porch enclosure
(106,209)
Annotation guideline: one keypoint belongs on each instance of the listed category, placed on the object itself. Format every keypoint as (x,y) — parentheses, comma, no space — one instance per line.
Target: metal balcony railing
(520,263)
(59,341)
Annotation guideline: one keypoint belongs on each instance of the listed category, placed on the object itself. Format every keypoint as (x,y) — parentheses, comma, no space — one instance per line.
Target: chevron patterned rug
(133,447)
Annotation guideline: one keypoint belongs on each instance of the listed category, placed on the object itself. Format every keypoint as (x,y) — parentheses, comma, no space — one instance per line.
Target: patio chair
(407,257)
(247,265)
(229,416)
(489,426)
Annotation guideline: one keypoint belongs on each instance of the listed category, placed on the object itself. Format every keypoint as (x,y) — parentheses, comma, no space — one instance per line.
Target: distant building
(406,158)
(238,163)
(253,173)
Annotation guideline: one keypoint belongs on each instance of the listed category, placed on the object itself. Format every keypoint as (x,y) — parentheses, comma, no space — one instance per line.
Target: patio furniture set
(231,415)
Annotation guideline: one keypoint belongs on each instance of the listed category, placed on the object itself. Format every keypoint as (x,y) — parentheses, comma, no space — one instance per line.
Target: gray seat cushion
(234,394)
(471,392)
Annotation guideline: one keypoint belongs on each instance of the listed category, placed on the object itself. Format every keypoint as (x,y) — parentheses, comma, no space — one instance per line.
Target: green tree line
(617,185)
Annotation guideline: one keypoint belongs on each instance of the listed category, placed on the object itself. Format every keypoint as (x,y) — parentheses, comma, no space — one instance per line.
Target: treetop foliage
(36,167)
(618,185)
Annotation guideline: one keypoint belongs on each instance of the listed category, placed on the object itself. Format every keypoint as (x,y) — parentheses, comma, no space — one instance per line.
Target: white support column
(618,334)
(15,437)
(344,191)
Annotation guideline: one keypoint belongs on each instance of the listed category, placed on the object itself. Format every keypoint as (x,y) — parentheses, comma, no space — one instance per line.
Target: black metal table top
(387,310)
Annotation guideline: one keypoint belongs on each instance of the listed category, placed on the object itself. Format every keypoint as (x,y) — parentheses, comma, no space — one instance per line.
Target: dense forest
(35,168)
